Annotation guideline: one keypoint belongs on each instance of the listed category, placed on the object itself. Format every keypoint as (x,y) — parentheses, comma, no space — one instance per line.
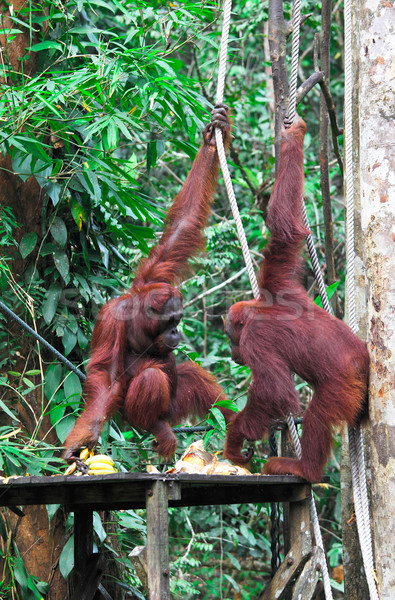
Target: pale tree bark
(375,169)
(355,585)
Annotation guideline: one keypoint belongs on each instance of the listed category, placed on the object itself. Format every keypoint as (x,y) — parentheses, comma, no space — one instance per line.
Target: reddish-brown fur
(132,363)
(286,333)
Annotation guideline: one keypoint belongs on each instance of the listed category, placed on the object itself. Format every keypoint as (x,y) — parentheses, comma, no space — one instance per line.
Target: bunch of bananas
(92,464)
(100,464)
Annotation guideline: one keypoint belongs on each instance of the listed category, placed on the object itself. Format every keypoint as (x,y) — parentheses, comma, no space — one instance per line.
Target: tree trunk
(373,68)
(38,543)
(355,585)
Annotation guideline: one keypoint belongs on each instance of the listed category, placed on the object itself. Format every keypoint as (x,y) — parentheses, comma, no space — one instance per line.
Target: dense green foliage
(108,125)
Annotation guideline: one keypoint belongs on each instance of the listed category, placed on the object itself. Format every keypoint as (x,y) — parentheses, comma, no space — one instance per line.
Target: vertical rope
(355,437)
(222,155)
(293,79)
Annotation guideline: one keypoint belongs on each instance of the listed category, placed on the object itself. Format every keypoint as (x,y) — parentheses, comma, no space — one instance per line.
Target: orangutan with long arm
(132,365)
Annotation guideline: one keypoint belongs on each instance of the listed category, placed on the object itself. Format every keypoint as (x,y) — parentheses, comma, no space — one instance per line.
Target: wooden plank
(158,542)
(299,553)
(281,584)
(128,490)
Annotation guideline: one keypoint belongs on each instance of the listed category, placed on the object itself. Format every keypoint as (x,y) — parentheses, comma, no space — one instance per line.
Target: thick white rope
(246,252)
(355,437)
(222,156)
(315,264)
(293,78)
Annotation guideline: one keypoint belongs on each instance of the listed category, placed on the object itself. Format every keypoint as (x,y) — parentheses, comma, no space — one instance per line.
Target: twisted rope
(355,437)
(222,156)
(315,263)
(274,513)
(293,78)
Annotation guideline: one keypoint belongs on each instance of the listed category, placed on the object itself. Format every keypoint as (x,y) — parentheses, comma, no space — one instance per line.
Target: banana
(70,470)
(101,466)
(84,454)
(100,458)
(101,471)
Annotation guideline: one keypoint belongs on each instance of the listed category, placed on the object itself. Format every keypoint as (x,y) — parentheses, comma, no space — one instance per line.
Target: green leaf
(52,380)
(337,586)
(69,340)
(50,106)
(53,190)
(232,582)
(46,46)
(78,212)
(7,411)
(51,302)
(58,408)
(51,510)
(72,388)
(64,427)
(61,263)
(27,244)
(247,533)
(21,575)
(230,404)
(233,560)
(59,231)
(29,383)
(10,31)
(218,418)
(160,147)
(28,145)
(82,339)
(66,560)
(151,155)
(330,290)
(207,437)
(98,527)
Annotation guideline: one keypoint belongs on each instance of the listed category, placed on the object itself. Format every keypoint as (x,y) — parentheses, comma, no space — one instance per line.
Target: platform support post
(83,543)
(158,542)
(158,537)
(281,586)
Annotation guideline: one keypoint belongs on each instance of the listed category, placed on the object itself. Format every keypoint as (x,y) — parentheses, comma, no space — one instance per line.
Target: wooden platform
(129,490)
(156,492)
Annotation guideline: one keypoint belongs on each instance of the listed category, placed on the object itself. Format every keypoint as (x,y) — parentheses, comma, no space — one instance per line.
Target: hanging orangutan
(285,332)
(132,365)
